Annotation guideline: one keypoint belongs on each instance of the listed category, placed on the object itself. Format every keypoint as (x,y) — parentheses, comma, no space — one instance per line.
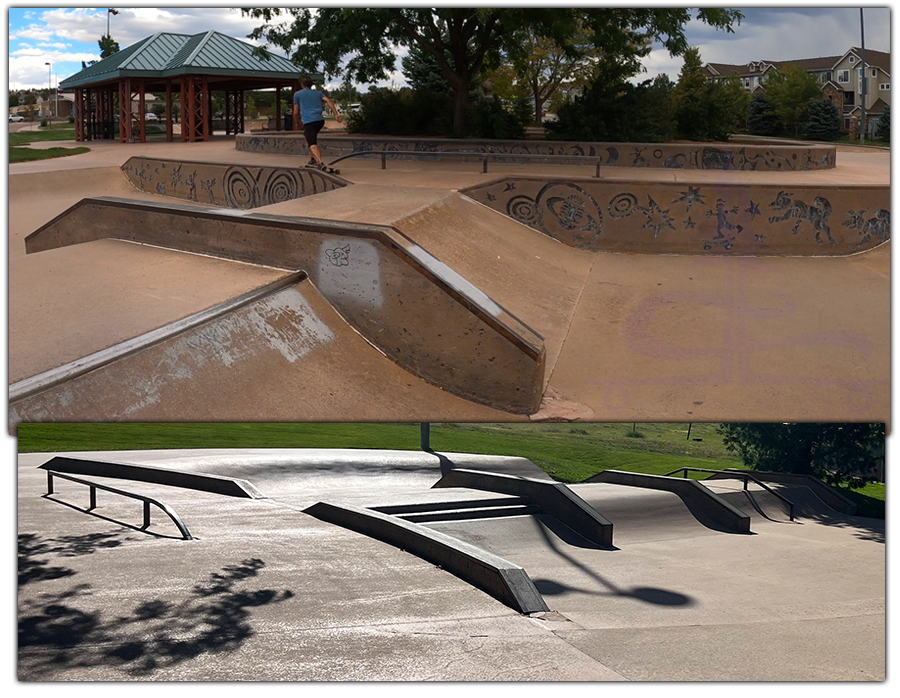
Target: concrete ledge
(411,306)
(505,581)
(223,184)
(695,218)
(705,156)
(551,498)
(231,487)
(691,491)
(826,493)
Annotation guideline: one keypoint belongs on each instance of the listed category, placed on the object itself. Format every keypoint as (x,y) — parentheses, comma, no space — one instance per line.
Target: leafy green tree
(540,68)
(13,99)
(790,92)
(834,452)
(883,126)
(108,46)
(465,41)
(823,123)
(761,117)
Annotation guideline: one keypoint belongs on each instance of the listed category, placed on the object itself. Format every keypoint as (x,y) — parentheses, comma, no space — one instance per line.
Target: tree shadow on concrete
(55,635)
(31,548)
(864,528)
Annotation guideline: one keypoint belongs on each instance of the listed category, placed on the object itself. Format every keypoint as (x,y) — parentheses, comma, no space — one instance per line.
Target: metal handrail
(745,476)
(94,486)
(484,156)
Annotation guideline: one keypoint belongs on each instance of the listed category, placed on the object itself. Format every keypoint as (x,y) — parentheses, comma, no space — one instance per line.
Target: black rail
(94,486)
(745,477)
(593,159)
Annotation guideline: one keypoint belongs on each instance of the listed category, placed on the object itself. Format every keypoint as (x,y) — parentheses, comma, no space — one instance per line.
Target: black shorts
(311,131)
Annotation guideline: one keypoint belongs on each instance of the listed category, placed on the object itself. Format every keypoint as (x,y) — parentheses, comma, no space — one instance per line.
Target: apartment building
(841,78)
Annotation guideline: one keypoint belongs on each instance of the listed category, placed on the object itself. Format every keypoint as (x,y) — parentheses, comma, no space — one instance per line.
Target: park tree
(883,126)
(464,41)
(761,117)
(790,91)
(539,67)
(823,123)
(616,109)
(108,46)
(834,452)
(706,110)
(423,72)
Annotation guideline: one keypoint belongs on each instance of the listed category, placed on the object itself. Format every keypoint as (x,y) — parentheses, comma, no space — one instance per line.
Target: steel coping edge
(60,374)
(214,484)
(708,501)
(823,491)
(553,498)
(505,581)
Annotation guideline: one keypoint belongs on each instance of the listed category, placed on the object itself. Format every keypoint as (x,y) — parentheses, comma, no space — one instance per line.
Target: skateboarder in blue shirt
(308,102)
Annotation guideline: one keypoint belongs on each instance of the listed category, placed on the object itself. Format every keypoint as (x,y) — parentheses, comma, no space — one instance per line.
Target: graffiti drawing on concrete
(817,214)
(699,217)
(235,186)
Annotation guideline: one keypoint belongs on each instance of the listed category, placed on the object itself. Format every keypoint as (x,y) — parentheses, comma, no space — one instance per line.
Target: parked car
(16,117)
(150,116)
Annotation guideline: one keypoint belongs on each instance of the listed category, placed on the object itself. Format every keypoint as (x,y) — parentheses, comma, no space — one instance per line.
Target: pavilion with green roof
(192,66)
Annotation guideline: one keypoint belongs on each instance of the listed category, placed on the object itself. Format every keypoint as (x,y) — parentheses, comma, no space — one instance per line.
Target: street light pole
(109,11)
(49,86)
(862,87)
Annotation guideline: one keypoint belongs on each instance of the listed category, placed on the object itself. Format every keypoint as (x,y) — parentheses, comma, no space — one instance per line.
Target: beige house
(840,76)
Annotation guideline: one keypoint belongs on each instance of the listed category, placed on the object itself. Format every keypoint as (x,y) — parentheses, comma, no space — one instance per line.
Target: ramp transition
(404,301)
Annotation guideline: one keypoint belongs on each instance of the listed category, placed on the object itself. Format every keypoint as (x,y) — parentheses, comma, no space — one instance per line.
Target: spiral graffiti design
(622,205)
(521,208)
(568,213)
(241,188)
(281,185)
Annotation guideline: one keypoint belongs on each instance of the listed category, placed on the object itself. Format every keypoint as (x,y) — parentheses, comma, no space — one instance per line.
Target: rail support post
(93,491)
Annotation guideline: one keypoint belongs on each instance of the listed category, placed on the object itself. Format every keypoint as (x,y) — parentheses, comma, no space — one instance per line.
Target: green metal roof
(166,55)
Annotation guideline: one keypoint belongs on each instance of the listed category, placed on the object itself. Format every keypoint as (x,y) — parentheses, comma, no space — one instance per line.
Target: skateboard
(329,170)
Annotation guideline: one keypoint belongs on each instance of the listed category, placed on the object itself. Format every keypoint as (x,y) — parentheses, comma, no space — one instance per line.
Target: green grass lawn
(567,452)
(57,132)
(29,154)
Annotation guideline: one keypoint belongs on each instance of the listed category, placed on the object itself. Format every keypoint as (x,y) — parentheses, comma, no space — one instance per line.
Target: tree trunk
(538,109)
(461,109)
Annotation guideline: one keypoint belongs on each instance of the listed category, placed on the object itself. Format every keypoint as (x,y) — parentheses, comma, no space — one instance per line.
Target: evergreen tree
(823,123)
(762,119)
(883,126)
(706,110)
(108,46)
(614,109)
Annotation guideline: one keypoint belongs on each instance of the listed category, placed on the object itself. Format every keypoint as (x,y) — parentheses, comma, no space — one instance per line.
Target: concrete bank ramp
(408,304)
(282,354)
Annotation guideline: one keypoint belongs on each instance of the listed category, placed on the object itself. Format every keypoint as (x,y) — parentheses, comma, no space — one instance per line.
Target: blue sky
(66,36)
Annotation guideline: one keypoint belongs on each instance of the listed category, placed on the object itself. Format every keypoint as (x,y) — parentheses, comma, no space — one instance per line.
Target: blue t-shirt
(310,103)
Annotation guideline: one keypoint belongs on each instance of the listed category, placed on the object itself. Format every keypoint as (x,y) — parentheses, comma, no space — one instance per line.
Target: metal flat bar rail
(745,477)
(484,157)
(94,486)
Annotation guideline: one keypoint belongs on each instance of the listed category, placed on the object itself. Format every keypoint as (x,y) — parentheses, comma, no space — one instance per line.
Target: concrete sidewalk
(266,592)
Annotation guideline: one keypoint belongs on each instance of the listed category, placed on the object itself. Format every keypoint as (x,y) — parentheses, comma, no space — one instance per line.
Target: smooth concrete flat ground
(266,592)
(628,336)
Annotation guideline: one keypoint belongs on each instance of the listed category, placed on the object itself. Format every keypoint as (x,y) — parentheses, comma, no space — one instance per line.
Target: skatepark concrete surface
(628,337)
(267,592)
